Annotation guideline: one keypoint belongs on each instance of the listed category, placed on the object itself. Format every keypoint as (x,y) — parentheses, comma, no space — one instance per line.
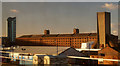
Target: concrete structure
(11,28)
(103,28)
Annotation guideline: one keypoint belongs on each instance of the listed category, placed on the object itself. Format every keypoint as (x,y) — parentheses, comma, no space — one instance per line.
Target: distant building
(101,39)
(35,53)
(11,23)
(4,42)
(66,40)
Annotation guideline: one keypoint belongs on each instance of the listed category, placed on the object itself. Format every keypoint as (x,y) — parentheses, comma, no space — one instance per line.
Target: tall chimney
(46,32)
(75,31)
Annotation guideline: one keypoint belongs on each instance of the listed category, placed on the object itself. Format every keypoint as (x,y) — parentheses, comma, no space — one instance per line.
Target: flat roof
(88,49)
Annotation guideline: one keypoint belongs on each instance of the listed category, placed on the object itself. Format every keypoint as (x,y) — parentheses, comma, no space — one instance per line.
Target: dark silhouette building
(11,23)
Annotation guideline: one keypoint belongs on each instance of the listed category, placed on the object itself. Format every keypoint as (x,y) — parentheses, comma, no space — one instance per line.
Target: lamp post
(57,47)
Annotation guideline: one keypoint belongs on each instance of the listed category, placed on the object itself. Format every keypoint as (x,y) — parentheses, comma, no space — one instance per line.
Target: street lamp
(57,47)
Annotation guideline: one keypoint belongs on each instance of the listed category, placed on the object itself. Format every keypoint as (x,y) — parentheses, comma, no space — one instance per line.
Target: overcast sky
(34,18)
(59,0)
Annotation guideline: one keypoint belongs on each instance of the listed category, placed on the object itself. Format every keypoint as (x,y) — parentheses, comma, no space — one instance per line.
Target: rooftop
(59,35)
(48,50)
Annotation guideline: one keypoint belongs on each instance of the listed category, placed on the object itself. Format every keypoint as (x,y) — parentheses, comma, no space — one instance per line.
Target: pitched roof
(71,52)
(109,51)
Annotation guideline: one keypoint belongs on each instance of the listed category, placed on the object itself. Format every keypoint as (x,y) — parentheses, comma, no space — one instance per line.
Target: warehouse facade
(68,40)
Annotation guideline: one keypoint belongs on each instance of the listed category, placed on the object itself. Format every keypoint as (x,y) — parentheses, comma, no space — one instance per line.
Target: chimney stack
(46,32)
(75,31)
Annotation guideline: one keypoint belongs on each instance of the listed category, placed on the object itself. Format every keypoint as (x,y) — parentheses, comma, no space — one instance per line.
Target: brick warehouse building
(68,40)
(102,38)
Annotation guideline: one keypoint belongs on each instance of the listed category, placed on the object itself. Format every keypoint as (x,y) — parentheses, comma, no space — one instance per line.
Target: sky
(58,17)
(59,0)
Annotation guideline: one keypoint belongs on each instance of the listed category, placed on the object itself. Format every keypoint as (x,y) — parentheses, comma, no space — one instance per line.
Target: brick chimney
(46,32)
(75,31)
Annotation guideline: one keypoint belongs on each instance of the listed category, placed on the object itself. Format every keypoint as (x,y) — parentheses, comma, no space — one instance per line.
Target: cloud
(114,28)
(114,25)
(110,6)
(115,32)
(14,11)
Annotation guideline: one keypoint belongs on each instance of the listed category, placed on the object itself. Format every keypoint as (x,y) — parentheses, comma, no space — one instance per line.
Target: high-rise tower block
(11,28)
(103,28)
